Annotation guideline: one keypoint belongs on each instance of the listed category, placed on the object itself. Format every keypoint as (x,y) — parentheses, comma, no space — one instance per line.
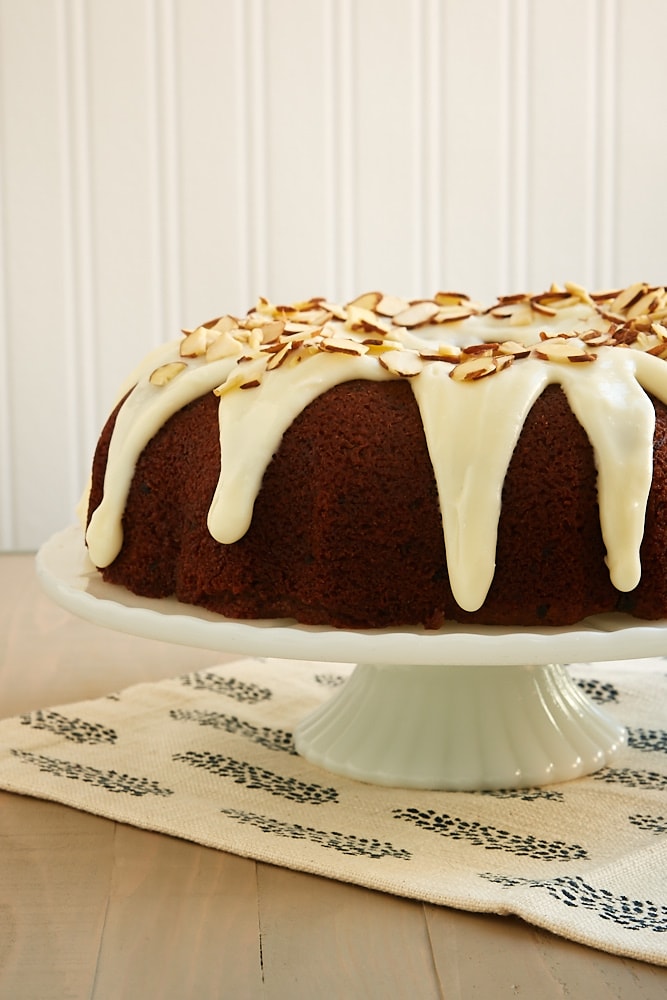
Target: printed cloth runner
(209,757)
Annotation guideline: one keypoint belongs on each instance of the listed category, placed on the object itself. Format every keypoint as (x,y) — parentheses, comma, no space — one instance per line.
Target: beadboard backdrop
(163,161)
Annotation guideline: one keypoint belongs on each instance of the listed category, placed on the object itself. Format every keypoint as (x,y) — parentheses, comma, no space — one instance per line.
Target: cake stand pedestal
(461,708)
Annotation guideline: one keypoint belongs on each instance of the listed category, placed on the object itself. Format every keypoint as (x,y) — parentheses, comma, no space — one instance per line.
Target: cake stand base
(469,717)
(460,728)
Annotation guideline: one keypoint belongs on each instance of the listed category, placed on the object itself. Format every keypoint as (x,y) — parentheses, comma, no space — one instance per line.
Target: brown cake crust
(347,530)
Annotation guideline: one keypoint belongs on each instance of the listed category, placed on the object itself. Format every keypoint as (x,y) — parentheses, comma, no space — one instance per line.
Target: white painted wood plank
(37,407)
(641,148)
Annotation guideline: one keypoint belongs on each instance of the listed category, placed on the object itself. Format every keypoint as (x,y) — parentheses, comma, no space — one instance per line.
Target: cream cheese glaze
(272,367)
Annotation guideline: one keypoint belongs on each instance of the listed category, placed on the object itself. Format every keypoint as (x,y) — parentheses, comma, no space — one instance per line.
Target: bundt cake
(389,463)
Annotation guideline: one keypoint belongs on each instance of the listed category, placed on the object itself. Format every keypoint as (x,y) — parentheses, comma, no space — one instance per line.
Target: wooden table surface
(93,908)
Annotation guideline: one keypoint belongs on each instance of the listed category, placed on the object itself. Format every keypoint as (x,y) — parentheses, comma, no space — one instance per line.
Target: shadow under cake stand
(461,708)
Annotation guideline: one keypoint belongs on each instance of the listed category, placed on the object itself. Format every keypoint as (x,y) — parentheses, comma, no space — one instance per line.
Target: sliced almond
(473,369)
(336,310)
(224,346)
(596,338)
(391,305)
(417,313)
(165,373)
(446,299)
(404,363)
(644,305)
(659,351)
(512,348)
(453,314)
(444,352)
(562,351)
(478,351)
(627,297)
(270,331)
(369,300)
(278,357)
(359,318)
(579,292)
(343,345)
(539,307)
(222,324)
(196,343)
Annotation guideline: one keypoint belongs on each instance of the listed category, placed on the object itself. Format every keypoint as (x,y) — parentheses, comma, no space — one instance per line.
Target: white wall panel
(162,160)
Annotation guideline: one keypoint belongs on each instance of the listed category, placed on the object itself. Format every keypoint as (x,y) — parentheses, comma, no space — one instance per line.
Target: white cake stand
(460,708)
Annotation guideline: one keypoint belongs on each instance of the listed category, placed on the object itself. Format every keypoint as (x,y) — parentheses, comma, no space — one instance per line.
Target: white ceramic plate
(71,580)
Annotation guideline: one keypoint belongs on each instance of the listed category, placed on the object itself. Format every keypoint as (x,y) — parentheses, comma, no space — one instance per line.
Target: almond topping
(473,369)
(446,299)
(165,373)
(390,305)
(343,345)
(369,300)
(404,363)
(554,349)
(627,297)
(513,349)
(453,314)
(195,343)
(224,346)
(417,313)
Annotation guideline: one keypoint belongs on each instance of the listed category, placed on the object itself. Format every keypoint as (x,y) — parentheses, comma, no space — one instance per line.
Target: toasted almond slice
(538,307)
(659,330)
(500,312)
(522,314)
(444,352)
(368,300)
(336,310)
(195,343)
(562,351)
(512,348)
(579,292)
(365,320)
(473,369)
(303,329)
(453,314)
(478,351)
(596,338)
(659,351)
(627,297)
(404,363)
(450,298)
(343,345)
(224,346)
(611,317)
(222,324)
(564,302)
(644,305)
(279,357)
(508,300)
(558,334)
(417,313)
(165,373)
(391,305)
(314,317)
(270,331)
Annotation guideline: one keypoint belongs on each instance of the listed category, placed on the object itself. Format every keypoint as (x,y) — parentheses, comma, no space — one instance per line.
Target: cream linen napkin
(209,757)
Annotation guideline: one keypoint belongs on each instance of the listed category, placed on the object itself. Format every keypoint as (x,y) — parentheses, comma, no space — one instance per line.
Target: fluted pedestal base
(460,728)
